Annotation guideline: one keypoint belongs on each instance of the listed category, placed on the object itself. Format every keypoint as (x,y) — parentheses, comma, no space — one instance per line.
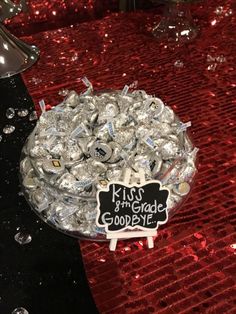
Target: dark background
(45,276)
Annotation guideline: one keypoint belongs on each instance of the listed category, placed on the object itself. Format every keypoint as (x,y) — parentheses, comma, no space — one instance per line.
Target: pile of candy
(88,140)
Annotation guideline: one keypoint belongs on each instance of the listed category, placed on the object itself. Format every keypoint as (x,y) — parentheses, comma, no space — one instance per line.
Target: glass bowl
(70,208)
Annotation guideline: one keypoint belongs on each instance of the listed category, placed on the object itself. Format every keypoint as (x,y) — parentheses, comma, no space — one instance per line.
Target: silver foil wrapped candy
(88,140)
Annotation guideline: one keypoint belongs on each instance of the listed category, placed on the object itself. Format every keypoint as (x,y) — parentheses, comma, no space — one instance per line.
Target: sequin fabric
(193,265)
(41,15)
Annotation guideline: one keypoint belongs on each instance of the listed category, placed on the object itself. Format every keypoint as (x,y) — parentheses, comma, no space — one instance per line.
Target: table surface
(192,267)
(47,275)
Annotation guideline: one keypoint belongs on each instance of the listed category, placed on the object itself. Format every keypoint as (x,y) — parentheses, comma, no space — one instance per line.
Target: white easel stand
(140,176)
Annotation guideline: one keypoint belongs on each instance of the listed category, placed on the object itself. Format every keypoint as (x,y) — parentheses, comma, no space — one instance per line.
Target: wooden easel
(149,234)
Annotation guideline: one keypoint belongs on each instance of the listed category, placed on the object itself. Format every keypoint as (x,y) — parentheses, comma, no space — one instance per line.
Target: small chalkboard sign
(126,207)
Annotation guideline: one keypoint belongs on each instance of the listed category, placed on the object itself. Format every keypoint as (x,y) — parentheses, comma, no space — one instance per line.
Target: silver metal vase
(9,9)
(15,55)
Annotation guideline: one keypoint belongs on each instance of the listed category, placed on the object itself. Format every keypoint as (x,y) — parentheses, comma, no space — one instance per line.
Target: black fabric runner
(45,276)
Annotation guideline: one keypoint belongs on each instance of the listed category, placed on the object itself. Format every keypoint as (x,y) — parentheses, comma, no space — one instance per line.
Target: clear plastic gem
(178,64)
(219,10)
(63,92)
(23,112)
(23,238)
(10,113)
(8,129)
(20,310)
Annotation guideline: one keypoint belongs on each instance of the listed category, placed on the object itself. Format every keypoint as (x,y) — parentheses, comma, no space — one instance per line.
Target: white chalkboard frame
(128,231)
(129,186)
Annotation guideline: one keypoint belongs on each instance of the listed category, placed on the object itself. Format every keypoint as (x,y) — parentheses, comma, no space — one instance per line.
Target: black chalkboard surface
(123,206)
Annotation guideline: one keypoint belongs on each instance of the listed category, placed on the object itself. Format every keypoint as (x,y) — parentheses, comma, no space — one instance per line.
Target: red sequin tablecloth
(193,265)
(41,15)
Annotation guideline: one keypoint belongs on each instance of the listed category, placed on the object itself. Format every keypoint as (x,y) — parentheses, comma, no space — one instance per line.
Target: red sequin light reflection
(44,15)
(193,265)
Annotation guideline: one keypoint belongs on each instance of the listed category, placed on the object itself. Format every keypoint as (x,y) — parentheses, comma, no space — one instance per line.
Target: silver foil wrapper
(88,140)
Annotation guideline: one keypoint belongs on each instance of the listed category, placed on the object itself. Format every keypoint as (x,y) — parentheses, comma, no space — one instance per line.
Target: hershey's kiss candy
(72,99)
(37,166)
(29,183)
(54,166)
(110,111)
(40,199)
(126,137)
(155,105)
(140,94)
(80,170)
(167,115)
(96,167)
(57,150)
(80,131)
(66,181)
(114,174)
(116,152)
(182,188)
(62,212)
(38,151)
(187,172)
(72,152)
(25,165)
(169,150)
(100,151)
(85,144)
(92,117)
(155,163)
